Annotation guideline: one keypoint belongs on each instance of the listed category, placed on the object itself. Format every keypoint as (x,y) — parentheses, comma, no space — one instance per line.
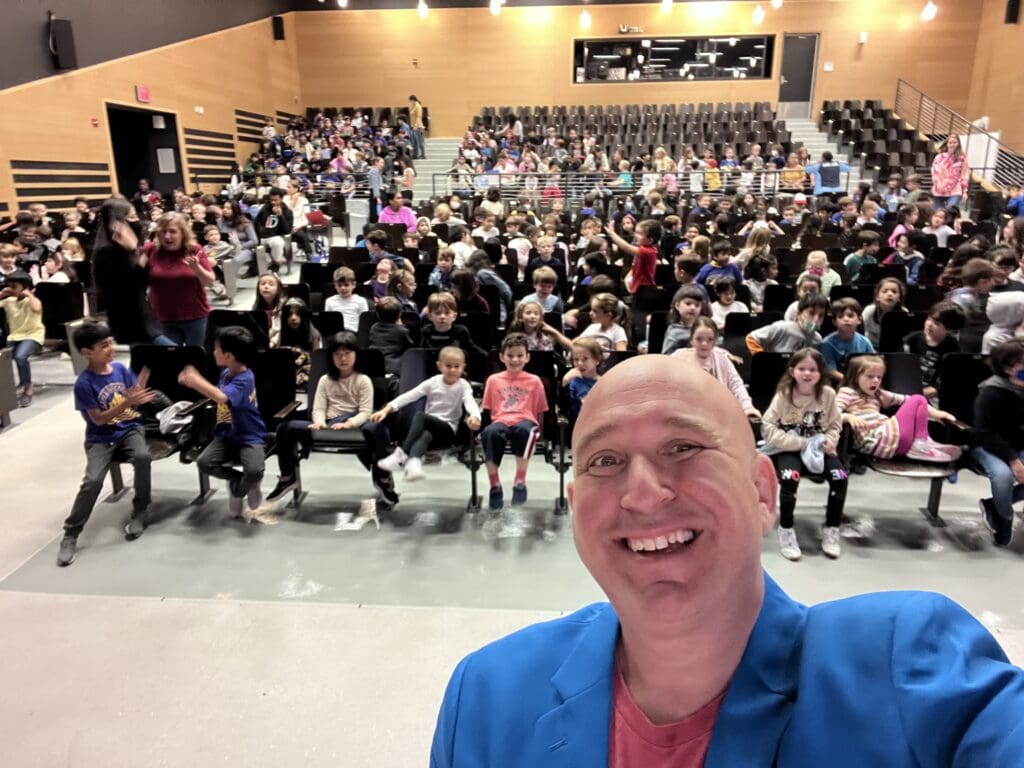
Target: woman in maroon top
(179,273)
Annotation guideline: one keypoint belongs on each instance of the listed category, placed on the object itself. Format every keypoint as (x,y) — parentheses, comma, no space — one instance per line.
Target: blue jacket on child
(898,679)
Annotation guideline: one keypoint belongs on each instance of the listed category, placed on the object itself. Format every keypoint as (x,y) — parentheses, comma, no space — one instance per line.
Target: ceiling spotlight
(929,11)
(776,4)
(584,19)
(495,7)
(758,15)
(343,3)
(421,9)
(666,6)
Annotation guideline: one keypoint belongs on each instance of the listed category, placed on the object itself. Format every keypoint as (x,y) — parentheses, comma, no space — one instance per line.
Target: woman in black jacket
(120,281)
(999,431)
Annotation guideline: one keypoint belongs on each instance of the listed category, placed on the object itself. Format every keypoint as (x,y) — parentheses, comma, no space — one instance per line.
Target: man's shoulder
(852,618)
(537,647)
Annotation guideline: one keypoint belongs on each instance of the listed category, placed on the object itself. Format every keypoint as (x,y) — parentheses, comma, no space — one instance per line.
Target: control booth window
(673,58)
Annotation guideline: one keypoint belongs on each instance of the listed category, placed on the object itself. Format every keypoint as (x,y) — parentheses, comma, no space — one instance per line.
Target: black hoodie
(999,418)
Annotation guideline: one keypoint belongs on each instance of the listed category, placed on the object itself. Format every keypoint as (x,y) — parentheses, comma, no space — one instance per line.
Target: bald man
(700,659)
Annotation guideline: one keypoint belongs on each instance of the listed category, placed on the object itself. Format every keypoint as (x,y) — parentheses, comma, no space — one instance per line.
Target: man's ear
(767,486)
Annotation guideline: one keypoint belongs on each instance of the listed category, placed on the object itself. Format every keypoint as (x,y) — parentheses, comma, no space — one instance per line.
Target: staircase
(441,154)
(803,131)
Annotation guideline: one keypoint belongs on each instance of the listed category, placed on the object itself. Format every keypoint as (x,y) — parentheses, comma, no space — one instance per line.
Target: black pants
(427,432)
(788,467)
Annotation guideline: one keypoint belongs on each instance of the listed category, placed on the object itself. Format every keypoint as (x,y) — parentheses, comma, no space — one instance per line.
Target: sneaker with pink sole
(929,450)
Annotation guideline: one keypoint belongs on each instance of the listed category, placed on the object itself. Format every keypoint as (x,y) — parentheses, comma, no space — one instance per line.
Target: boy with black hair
(273,224)
(720,265)
(107,395)
(517,401)
(791,335)
(349,303)
(868,243)
(935,342)
(837,347)
(389,335)
(376,243)
(240,434)
(23,312)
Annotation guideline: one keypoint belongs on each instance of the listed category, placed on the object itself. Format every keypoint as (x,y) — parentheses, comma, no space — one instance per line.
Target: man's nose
(646,486)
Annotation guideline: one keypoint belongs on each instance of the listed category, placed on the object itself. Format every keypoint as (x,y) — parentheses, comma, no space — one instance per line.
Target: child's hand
(138,395)
(378,416)
(828,448)
(752,413)
(856,423)
(945,416)
(473,422)
(316,426)
(188,376)
(346,424)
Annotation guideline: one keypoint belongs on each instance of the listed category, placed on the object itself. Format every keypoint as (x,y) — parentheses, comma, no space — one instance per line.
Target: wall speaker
(1012,11)
(62,44)
(278,22)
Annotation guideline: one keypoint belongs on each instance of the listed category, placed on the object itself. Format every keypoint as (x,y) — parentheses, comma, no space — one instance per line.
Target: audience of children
(889,295)
(845,340)
(704,352)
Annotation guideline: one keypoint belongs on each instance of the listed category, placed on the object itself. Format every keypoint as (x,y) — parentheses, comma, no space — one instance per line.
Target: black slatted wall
(57,184)
(210,156)
(249,126)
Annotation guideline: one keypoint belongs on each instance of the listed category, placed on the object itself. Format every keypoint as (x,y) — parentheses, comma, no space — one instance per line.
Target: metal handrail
(1002,165)
(574,185)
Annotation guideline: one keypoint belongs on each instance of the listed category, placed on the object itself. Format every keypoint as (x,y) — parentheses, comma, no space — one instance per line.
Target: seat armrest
(198,405)
(287,411)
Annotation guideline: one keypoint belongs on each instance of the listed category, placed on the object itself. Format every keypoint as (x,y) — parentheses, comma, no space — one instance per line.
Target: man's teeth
(682,536)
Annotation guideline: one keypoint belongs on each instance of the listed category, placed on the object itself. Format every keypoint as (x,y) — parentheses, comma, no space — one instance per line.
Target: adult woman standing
(120,277)
(951,174)
(179,273)
(299,206)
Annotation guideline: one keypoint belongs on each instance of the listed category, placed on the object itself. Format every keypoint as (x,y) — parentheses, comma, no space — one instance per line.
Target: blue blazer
(890,680)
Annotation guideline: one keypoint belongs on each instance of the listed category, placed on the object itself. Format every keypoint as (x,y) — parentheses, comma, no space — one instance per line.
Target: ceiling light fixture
(584,19)
(758,16)
(343,3)
(495,7)
(776,4)
(421,9)
(929,11)
(666,6)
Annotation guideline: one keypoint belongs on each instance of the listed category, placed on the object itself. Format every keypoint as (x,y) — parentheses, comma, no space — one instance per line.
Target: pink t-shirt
(512,399)
(635,741)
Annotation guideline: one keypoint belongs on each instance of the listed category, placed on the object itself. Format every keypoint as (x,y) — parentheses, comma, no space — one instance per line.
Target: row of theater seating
(885,140)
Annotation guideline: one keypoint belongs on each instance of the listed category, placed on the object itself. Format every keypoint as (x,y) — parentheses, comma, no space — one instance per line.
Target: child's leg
(417,431)
(525,435)
(1001,481)
(289,435)
(23,350)
(134,449)
(837,476)
(251,458)
(97,461)
(211,461)
(378,439)
(787,468)
(912,418)
(433,433)
(493,440)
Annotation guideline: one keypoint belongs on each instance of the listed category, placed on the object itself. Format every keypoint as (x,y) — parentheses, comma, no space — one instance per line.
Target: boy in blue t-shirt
(240,435)
(107,394)
(587,355)
(837,347)
(719,266)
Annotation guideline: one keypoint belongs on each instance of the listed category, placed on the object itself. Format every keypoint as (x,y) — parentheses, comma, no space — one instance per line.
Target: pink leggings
(912,418)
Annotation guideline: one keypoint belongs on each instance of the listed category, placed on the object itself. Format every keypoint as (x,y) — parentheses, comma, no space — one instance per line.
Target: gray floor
(210,642)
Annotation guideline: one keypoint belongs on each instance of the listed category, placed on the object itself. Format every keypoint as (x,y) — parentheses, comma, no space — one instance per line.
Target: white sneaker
(393,462)
(414,470)
(789,547)
(830,541)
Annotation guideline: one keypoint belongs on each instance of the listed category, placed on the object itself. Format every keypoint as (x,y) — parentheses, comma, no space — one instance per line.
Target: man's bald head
(643,376)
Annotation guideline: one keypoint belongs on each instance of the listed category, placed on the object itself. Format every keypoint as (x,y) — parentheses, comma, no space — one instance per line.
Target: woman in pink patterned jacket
(950,174)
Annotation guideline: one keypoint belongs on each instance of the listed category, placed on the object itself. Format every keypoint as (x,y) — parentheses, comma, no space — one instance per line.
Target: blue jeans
(191,333)
(1005,490)
(947,202)
(419,146)
(22,351)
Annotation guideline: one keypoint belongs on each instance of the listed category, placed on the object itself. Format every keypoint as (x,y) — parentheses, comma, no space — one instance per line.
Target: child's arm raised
(624,246)
(193,379)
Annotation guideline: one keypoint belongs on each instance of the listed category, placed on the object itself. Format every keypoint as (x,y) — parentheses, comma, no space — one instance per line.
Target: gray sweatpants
(98,457)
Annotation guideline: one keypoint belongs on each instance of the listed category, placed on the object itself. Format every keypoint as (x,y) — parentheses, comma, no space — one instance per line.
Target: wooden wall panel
(241,68)
(467,58)
(997,89)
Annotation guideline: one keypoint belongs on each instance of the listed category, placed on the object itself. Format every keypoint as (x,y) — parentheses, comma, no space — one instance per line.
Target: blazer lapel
(576,732)
(759,703)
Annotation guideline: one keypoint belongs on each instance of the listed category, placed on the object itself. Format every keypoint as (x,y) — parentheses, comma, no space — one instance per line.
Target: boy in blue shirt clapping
(240,432)
(107,395)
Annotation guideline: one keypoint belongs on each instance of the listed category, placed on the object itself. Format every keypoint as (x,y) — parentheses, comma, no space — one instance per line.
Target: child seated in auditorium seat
(935,342)
(517,402)
(845,340)
(389,335)
(107,395)
(350,304)
(438,426)
(25,330)
(791,335)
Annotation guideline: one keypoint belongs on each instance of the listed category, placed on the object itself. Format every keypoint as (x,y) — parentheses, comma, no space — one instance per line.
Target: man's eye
(604,461)
(684,448)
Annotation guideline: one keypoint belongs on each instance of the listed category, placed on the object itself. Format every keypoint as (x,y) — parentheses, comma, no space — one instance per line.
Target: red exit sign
(142,93)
